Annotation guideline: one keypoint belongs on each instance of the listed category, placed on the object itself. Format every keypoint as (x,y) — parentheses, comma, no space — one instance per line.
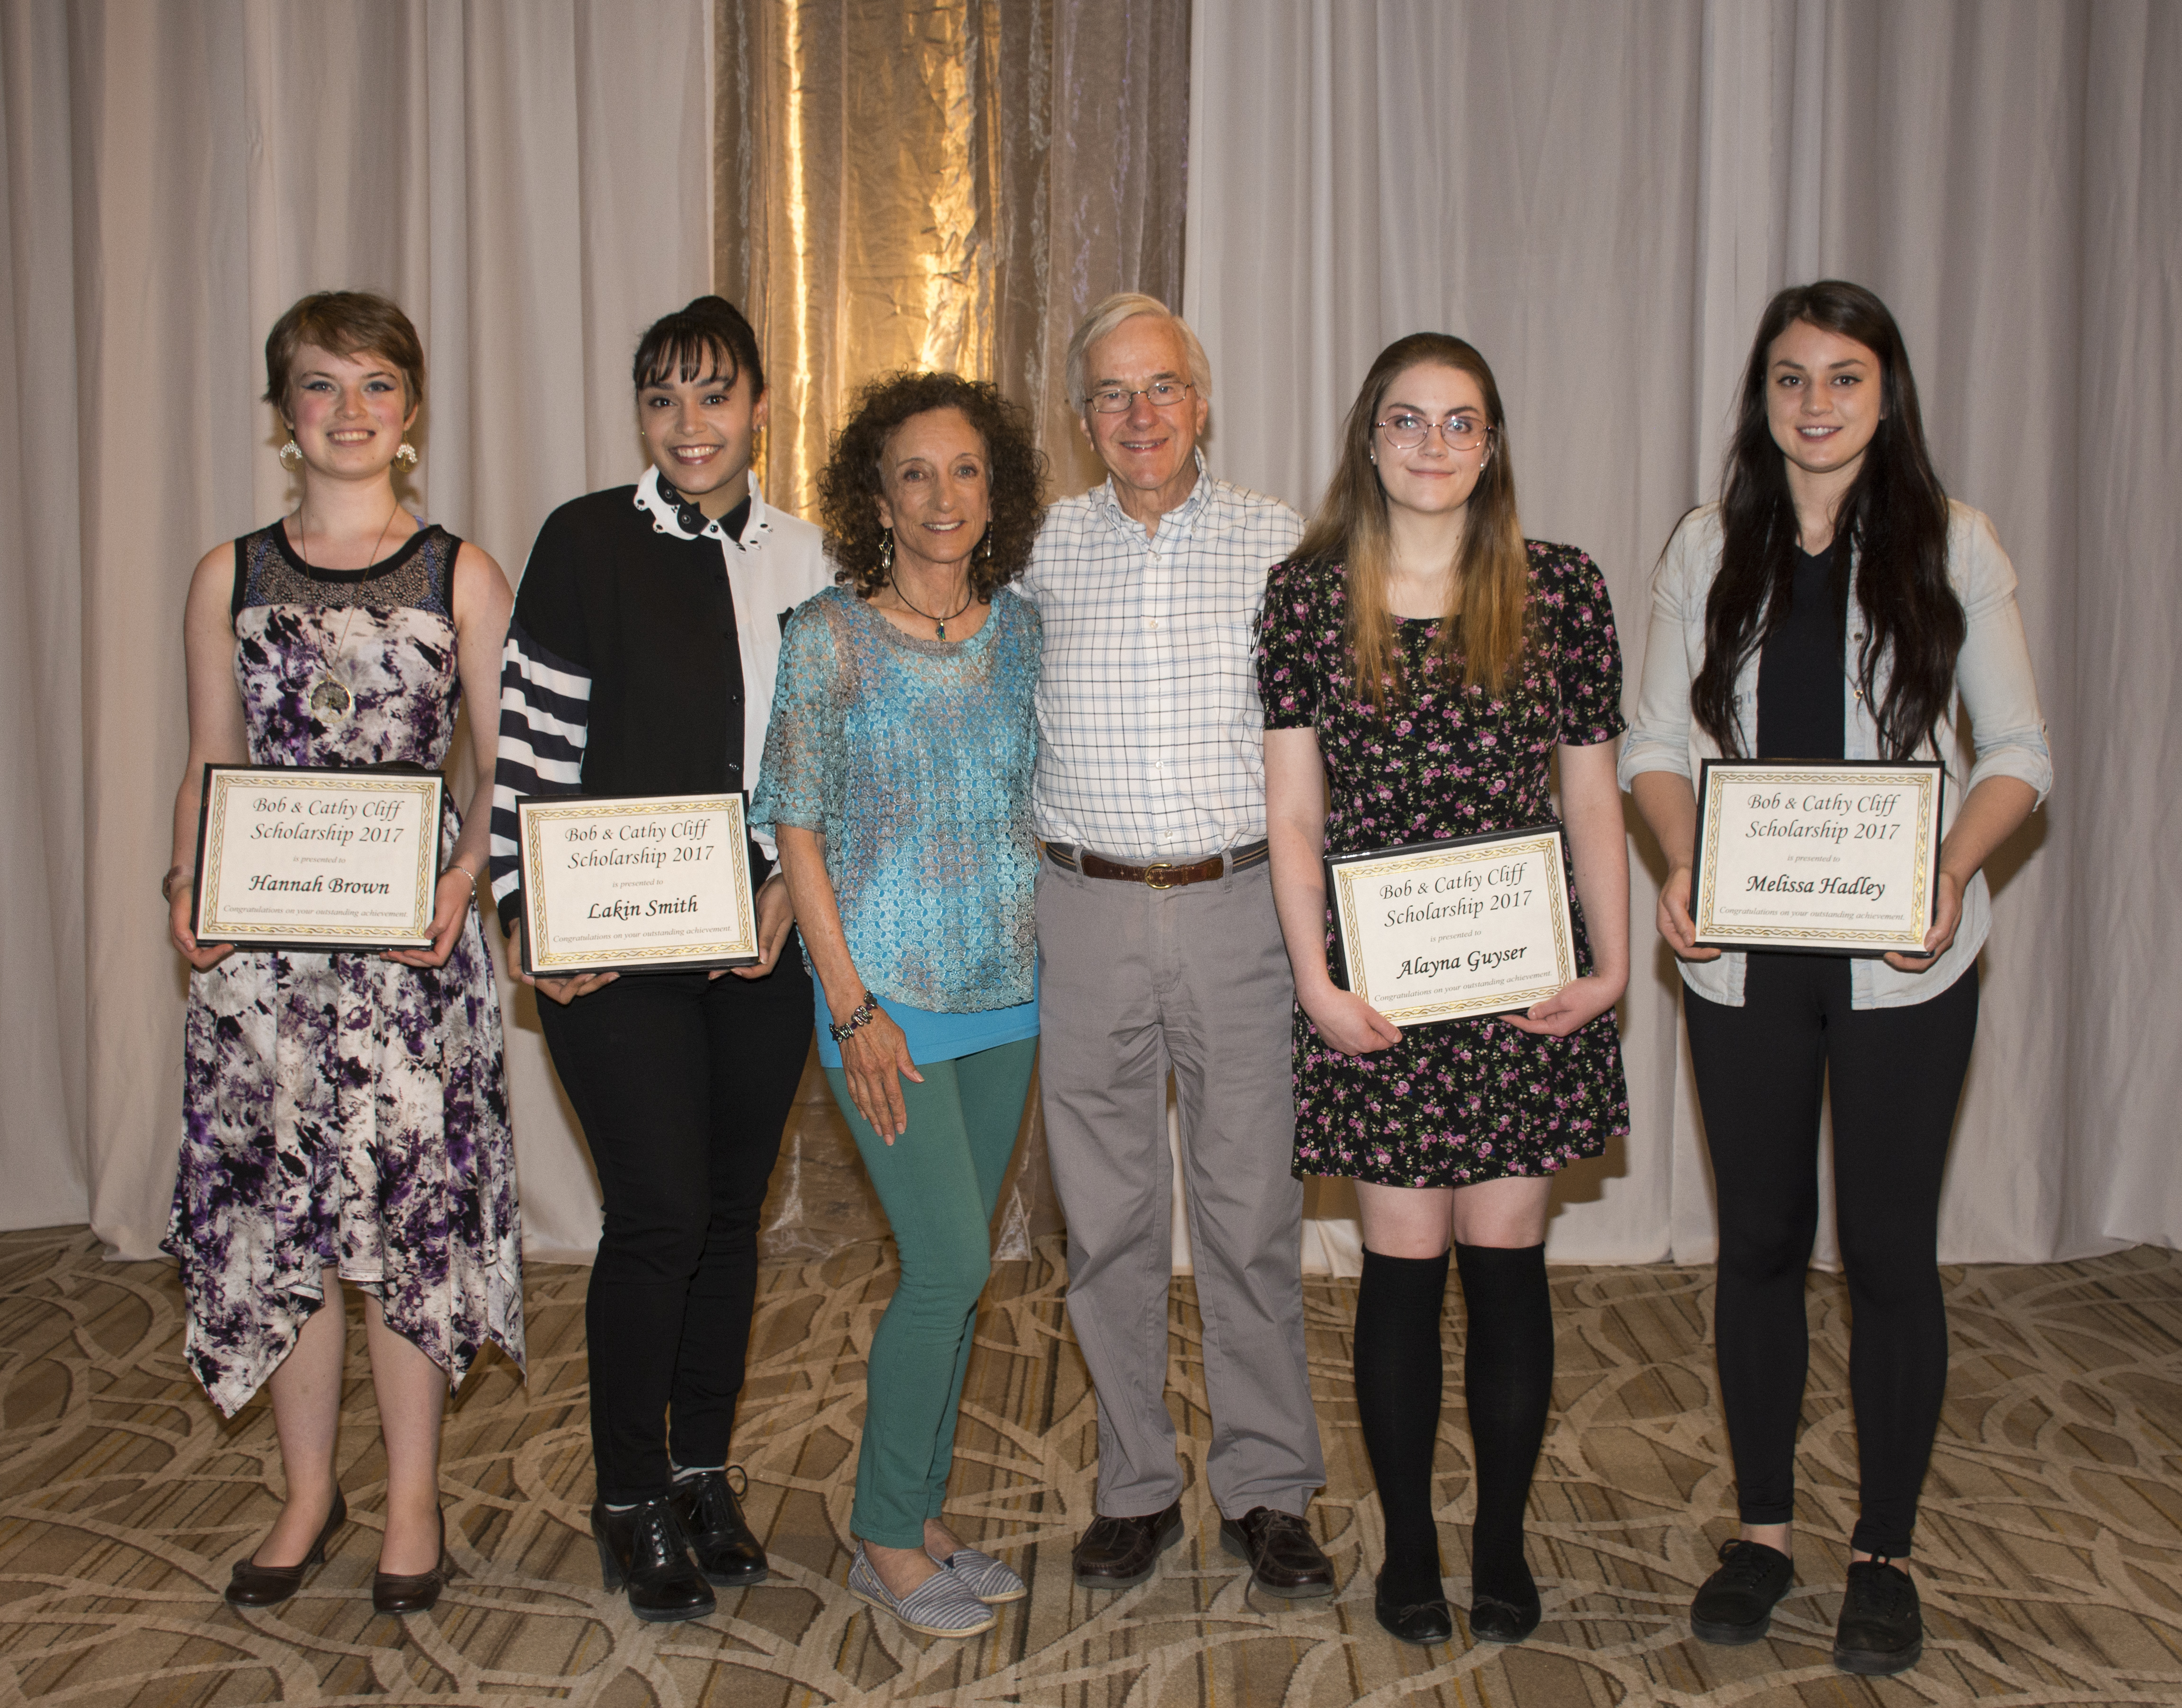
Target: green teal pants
(939,1182)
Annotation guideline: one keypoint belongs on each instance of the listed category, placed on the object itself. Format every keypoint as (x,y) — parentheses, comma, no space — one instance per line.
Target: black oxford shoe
(644,1549)
(727,1551)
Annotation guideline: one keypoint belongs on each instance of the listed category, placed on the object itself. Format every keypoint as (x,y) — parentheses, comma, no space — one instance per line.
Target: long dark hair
(850,487)
(1491,586)
(1894,518)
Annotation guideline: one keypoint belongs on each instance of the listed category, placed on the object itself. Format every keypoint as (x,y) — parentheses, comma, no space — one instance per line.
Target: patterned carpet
(2049,1557)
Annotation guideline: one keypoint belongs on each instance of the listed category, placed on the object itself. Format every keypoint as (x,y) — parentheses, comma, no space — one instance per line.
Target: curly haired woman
(897,784)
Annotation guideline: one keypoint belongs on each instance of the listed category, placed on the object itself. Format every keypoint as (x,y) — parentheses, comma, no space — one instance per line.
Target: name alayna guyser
(1477,961)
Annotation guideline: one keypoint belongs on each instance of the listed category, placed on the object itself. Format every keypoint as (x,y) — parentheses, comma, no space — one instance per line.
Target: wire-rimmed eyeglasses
(1406,430)
(1113,399)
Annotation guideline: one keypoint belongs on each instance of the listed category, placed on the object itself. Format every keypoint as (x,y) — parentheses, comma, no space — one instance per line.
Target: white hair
(1127,305)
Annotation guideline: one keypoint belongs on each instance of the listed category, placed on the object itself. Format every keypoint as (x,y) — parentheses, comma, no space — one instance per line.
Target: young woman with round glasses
(1424,669)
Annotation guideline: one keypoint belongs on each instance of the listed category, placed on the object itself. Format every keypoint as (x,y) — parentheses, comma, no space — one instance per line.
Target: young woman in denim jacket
(1833,604)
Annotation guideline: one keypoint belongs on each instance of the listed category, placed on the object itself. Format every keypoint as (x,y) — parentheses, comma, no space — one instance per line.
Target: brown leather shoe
(1117,1552)
(414,1592)
(1285,1557)
(253,1585)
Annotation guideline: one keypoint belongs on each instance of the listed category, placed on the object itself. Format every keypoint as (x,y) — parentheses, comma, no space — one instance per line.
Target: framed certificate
(309,857)
(1825,856)
(634,883)
(1443,930)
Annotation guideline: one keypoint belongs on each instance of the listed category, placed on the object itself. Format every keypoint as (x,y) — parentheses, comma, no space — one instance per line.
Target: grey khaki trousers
(1133,981)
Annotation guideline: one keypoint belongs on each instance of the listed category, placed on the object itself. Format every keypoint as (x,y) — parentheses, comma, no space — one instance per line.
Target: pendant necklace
(938,623)
(330,694)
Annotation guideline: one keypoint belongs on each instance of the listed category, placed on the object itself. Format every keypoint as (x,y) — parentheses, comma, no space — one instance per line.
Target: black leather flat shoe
(252,1585)
(1492,1620)
(726,1550)
(1424,1621)
(645,1551)
(417,1592)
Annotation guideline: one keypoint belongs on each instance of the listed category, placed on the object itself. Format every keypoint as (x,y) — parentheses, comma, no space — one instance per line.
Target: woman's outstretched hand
(776,913)
(451,907)
(1576,1003)
(1348,1023)
(1675,924)
(1946,915)
(874,1060)
(202,956)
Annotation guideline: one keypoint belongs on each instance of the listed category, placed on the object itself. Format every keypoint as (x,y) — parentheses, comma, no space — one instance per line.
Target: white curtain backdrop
(1602,197)
(531,181)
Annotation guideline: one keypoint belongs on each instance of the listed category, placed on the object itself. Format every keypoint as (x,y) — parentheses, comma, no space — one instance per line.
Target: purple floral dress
(1465,1100)
(342,1109)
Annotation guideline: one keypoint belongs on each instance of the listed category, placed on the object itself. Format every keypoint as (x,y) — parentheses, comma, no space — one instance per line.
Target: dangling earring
(985,546)
(407,455)
(291,454)
(886,552)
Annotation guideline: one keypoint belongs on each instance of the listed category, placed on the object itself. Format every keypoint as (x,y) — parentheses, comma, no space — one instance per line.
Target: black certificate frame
(1340,901)
(211,805)
(1808,940)
(529,851)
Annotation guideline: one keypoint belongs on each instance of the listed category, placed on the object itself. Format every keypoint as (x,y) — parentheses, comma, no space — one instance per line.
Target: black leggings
(1897,1077)
(683,1084)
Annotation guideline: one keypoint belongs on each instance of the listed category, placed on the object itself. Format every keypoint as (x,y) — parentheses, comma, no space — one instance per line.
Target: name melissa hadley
(1865,885)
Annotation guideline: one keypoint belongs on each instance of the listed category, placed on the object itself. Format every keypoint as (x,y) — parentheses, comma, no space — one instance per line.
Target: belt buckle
(1156,883)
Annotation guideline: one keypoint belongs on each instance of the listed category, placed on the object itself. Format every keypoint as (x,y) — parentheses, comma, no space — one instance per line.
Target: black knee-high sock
(1508,1381)
(1399,1370)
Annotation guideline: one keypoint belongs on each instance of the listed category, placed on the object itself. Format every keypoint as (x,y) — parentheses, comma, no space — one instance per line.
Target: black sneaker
(1882,1631)
(1735,1605)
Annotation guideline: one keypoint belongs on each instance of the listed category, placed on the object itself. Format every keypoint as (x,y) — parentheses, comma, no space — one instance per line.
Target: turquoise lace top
(913,758)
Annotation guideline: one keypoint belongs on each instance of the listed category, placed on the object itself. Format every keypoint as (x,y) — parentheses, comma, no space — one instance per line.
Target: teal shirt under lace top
(913,758)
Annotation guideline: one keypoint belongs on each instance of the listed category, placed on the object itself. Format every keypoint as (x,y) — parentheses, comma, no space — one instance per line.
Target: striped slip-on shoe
(986,1577)
(940,1606)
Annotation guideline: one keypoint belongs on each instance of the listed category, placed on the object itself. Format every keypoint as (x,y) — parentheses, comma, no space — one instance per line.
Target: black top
(650,619)
(1799,670)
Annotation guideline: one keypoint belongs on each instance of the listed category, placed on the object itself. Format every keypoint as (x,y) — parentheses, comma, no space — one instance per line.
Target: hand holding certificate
(1826,857)
(1450,930)
(634,883)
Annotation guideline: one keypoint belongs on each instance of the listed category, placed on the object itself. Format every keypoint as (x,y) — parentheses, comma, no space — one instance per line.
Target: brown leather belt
(1158,875)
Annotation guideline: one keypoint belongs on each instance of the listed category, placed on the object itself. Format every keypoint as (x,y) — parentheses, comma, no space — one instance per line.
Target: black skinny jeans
(1896,1078)
(683,1084)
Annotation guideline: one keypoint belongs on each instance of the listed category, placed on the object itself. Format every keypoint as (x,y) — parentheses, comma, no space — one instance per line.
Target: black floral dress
(1459,1101)
(342,1110)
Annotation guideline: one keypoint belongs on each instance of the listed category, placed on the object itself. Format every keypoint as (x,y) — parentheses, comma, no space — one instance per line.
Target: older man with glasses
(1160,951)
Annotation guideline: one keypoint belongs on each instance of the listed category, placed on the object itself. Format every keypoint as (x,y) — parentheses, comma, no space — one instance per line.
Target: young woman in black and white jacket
(640,660)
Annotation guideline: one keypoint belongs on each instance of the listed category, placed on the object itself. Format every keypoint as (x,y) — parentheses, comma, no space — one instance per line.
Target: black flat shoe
(416,1592)
(1735,1605)
(1423,1622)
(1492,1620)
(644,1549)
(1881,1629)
(727,1551)
(252,1585)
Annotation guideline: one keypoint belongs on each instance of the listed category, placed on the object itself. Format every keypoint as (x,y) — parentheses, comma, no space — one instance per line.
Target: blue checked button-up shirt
(1150,735)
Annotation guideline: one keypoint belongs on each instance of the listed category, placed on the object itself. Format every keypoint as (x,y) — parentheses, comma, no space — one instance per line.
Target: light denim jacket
(1993,676)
